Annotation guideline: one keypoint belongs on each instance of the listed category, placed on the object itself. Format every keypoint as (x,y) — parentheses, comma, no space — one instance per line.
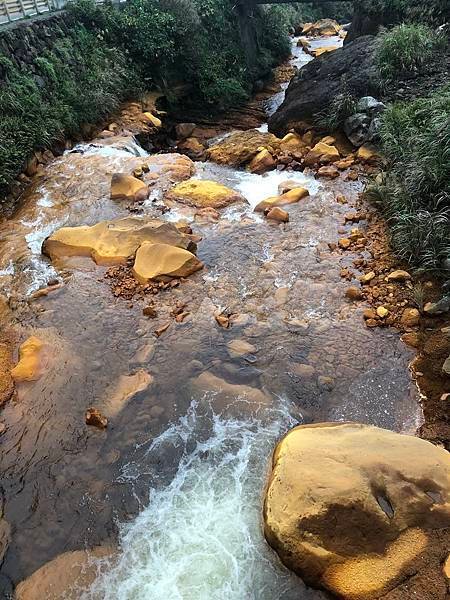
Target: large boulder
(240,148)
(113,242)
(154,261)
(65,575)
(323,28)
(317,83)
(202,193)
(358,510)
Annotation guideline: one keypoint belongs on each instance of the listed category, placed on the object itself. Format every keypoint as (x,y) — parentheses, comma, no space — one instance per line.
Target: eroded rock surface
(356,509)
(240,148)
(112,242)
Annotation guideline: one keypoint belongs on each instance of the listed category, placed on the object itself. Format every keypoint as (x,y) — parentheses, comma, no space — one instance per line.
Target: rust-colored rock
(291,197)
(202,193)
(128,187)
(277,214)
(410,317)
(95,418)
(353,293)
(239,148)
(356,509)
(262,162)
(156,260)
(330,172)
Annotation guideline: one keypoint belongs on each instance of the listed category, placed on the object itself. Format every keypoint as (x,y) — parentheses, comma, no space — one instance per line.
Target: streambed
(178,475)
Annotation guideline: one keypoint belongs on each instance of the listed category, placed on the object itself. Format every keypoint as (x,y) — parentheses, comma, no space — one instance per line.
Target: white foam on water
(200,537)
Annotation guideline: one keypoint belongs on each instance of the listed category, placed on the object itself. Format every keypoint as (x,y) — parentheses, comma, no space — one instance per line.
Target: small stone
(223,321)
(277,214)
(352,176)
(367,278)
(353,293)
(411,339)
(369,313)
(446,569)
(158,332)
(399,276)
(329,171)
(181,317)
(340,199)
(237,348)
(149,311)
(382,312)
(2,428)
(326,382)
(303,370)
(344,243)
(95,418)
(410,317)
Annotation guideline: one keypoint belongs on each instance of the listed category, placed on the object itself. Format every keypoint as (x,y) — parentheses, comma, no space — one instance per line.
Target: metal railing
(15,10)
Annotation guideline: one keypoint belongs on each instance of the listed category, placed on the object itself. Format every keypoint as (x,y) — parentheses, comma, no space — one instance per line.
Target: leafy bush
(407,47)
(415,194)
(389,12)
(79,81)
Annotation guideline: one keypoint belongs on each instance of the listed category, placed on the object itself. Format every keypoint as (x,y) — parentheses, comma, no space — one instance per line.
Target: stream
(176,479)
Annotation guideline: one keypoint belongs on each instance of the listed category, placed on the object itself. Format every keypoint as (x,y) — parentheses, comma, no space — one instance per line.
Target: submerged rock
(356,509)
(6,365)
(65,575)
(156,260)
(113,242)
(204,194)
(30,360)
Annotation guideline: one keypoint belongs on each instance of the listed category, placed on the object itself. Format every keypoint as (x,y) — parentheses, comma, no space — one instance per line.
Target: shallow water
(177,477)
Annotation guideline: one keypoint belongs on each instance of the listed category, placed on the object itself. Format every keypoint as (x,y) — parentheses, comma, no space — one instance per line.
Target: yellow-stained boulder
(239,148)
(202,193)
(152,119)
(292,142)
(65,575)
(112,242)
(323,27)
(322,154)
(323,50)
(30,360)
(128,187)
(368,154)
(356,509)
(277,214)
(290,197)
(262,162)
(161,260)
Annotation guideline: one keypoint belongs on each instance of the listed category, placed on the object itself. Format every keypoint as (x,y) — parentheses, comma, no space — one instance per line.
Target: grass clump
(415,193)
(342,106)
(407,48)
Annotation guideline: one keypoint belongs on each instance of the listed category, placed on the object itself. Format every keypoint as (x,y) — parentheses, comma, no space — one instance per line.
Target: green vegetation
(79,81)
(340,108)
(415,193)
(406,48)
(433,12)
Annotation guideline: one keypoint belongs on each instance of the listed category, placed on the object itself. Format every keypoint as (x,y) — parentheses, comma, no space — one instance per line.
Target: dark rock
(317,83)
(356,128)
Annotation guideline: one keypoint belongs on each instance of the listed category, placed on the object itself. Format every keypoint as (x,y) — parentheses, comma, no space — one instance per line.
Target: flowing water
(177,478)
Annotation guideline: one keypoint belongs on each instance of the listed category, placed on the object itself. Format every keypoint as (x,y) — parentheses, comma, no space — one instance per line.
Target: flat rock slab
(204,194)
(357,510)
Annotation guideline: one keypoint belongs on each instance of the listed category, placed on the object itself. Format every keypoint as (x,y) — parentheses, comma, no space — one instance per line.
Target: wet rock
(155,260)
(353,293)
(345,163)
(204,193)
(29,367)
(331,172)
(262,162)
(277,214)
(192,147)
(337,512)
(323,50)
(398,276)
(238,348)
(287,186)
(344,243)
(325,382)
(290,197)
(127,187)
(411,339)
(184,130)
(304,371)
(410,317)
(446,366)
(95,418)
(158,332)
(207,214)
(312,90)
(113,242)
(65,575)
(382,312)
(149,311)
(239,149)
(352,176)
(144,354)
